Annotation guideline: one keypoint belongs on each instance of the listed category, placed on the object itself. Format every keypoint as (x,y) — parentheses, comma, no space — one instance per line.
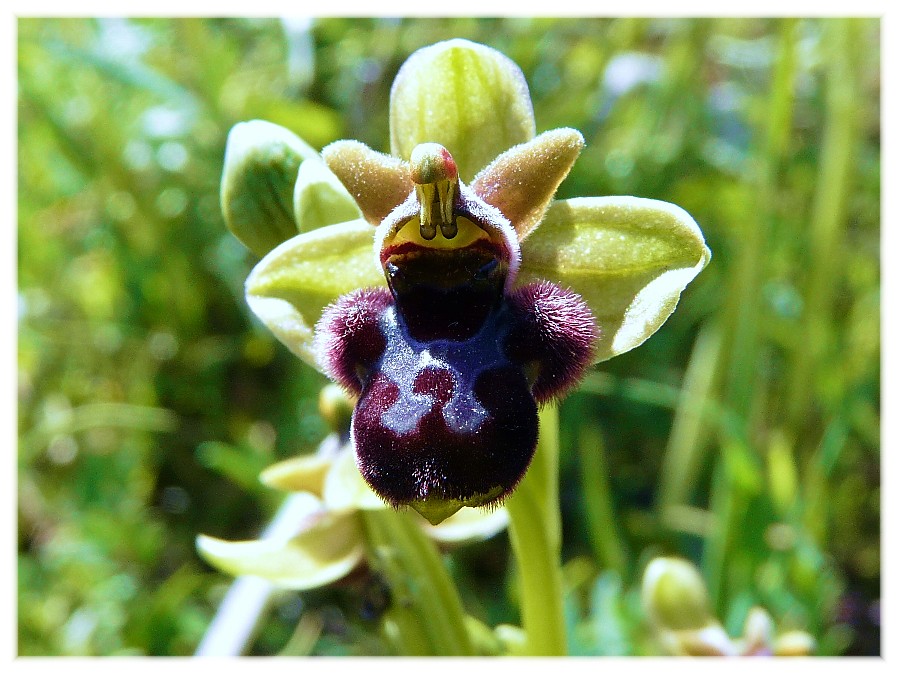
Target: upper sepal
(465,96)
(261,161)
(629,258)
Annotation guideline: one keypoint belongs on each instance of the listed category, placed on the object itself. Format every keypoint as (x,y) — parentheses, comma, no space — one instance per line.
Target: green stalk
(665,396)
(425,617)
(535,532)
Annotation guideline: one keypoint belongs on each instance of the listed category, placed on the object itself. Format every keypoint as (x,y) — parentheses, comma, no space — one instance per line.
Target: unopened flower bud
(261,162)
(674,595)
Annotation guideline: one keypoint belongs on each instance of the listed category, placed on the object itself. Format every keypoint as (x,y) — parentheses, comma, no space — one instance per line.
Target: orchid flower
(441,284)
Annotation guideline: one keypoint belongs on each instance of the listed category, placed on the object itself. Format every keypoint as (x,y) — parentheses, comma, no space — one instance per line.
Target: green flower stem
(535,531)
(426,616)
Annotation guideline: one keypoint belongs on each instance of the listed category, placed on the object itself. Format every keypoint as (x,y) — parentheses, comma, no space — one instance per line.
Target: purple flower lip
(448,420)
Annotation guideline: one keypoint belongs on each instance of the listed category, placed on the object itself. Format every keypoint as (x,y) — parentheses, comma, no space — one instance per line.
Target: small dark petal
(348,335)
(554,329)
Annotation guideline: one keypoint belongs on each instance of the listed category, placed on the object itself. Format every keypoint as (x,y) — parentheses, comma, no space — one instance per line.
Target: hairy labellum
(448,422)
(450,364)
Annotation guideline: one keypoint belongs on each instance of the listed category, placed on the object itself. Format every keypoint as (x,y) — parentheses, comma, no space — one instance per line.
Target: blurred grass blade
(829,218)
(604,532)
(261,165)
(685,446)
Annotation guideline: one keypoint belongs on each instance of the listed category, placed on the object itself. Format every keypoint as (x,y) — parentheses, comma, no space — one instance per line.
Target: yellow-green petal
(465,96)
(328,550)
(522,181)
(346,489)
(320,198)
(629,258)
(261,161)
(290,287)
(378,182)
(302,474)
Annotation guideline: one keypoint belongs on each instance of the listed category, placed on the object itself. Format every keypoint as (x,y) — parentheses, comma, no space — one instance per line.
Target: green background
(744,435)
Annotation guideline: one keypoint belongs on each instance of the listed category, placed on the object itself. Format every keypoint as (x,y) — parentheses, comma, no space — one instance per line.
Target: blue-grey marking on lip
(464,360)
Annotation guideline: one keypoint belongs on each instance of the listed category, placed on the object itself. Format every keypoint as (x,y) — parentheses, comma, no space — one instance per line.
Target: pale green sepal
(261,161)
(346,489)
(629,258)
(469,524)
(320,198)
(327,550)
(289,288)
(522,181)
(467,97)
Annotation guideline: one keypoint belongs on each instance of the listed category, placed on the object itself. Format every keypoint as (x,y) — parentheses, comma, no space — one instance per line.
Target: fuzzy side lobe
(554,329)
(349,341)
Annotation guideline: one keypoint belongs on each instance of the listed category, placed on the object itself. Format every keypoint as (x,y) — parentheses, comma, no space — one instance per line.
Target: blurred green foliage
(744,435)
